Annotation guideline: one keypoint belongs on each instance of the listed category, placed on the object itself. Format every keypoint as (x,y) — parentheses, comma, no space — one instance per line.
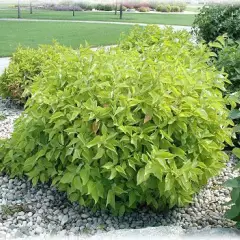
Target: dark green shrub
(108,7)
(229,59)
(124,127)
(27,63)
(105,7)
(213,21)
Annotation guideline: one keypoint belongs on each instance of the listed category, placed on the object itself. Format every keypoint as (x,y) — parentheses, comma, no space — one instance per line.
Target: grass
(193,8)
(32,34)
(171,19)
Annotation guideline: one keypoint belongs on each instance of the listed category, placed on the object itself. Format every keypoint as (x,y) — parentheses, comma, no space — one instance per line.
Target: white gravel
(42,210)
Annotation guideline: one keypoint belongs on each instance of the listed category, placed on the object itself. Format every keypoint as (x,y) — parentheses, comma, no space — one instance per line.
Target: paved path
(3,64)
(188,28)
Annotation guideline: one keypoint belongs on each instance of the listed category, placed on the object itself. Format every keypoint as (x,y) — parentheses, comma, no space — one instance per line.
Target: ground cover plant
(141,124)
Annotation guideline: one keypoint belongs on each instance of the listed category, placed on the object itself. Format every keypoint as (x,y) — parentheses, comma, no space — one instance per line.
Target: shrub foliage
(140,124)
(216,20)
(229,60)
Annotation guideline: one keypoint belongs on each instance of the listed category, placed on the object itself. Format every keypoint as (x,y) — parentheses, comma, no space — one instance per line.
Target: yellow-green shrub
(121,128)
(25,65)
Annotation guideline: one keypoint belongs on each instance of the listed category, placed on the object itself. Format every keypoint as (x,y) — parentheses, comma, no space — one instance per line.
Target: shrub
(175,9)
(213,21)
(123,128)
(161,8)
(25,65)
(182,6)
(143,9)
(108,7)
(164,8)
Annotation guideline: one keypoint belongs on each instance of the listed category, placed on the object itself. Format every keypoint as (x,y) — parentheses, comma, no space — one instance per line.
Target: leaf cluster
(142,123)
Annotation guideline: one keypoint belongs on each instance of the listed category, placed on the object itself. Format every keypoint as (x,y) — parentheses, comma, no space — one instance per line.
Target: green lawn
(70,34)
(194,8)
(171,19)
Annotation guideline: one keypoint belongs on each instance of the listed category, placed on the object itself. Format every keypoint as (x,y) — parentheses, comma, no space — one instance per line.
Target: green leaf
(76,155)
(236,152)
(233,183)
(108,165)
(67,177)
(132,198)
(96,141)
(118,190)
(74,197)
(84,174)
(121,210)
(113,173)
(120,170)
(100,153)
(216,45)
(77,183)
(141,177)
(233,212)
(234,114)
(111,199)
(169,182)
(93,191)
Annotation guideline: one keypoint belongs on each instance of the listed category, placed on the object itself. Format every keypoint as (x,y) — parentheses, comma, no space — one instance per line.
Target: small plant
(9,210)
(2,116)
(101,227)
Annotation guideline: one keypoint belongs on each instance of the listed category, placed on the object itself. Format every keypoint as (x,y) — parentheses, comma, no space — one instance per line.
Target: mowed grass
(32,34)
(154,18)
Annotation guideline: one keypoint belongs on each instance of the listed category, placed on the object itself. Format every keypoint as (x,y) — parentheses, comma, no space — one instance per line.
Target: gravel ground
(30,211)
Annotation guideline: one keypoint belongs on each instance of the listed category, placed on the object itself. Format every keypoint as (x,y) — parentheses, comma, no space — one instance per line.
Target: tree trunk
(31,8)
(121,10)
(116,8)
(19,10)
